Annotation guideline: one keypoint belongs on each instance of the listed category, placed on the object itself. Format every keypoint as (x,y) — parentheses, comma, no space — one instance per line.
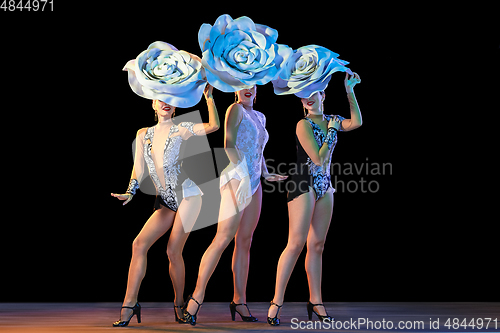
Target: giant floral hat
(308,70)
(163,72)
(239,54)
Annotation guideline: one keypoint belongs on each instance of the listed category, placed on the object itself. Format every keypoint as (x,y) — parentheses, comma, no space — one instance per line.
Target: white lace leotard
(251,139)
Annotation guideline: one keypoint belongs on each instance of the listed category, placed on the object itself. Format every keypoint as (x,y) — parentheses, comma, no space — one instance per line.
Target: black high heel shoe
(191,318)
(274,321)
(136,310)
(310,310)
(233,306)
(178,319)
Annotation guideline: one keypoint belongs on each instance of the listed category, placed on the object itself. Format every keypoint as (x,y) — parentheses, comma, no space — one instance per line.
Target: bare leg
(188,212)
(155,227)
(315,243)
(241,254)
(300,212)
(226,230)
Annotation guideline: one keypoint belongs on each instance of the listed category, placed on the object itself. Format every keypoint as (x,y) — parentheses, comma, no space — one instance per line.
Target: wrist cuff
(132,186)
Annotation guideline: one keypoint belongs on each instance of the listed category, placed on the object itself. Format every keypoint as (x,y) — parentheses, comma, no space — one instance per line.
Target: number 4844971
(27,5)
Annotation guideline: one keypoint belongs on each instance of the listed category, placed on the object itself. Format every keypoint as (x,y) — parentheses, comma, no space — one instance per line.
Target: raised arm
(356,120)
(213,117)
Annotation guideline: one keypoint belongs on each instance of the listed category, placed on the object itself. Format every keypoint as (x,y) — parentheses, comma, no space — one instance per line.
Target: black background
(70,119)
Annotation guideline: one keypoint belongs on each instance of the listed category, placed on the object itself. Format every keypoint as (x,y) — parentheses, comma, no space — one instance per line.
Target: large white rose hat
(308,70)
(164,73)
(239,54)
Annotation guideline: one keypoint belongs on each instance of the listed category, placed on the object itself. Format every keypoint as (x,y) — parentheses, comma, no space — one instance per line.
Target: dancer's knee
(294,247)
(316,247)
(139,247)
(243,242)
(173,253)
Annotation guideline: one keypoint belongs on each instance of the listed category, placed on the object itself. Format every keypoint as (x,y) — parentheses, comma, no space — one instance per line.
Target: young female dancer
(178,199)
(241,199)
(310,204)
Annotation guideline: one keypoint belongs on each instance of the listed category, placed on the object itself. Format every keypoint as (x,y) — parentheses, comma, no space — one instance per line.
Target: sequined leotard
(176,181)
(308,173)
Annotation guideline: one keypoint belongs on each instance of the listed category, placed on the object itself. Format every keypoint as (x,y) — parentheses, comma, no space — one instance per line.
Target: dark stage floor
(215,317)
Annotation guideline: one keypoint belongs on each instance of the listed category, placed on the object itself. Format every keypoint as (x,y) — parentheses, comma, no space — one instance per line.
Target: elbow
(354,126)
(359,122)
(212,129)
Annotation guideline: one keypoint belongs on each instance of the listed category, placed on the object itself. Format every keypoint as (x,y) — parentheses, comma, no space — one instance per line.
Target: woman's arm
(304,131)
(213,117)
(139,162)
(356,120)
(234,115)
(271,177)
(137,170)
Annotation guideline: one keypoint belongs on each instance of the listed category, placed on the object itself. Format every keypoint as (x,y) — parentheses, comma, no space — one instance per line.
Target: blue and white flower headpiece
(308,70)
(239,54)
(164,73)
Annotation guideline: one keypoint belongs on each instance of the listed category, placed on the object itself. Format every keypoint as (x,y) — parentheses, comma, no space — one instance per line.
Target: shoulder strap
(149,133)
(188,125)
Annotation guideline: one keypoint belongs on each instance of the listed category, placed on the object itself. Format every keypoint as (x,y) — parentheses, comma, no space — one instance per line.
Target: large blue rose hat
(239,54)
(308,70)
(164,73)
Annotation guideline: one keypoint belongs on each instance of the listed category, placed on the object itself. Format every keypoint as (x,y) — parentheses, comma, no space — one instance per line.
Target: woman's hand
(335,123)
(126,196)
(208,91)
(273,177)
(243,190)
(349,83)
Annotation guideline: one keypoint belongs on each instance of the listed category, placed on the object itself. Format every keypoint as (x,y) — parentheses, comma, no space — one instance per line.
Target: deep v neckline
(260,127)
(318,127)
(166,140)
(153,154)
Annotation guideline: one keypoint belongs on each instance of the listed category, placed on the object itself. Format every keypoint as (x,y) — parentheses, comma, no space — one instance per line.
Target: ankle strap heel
(274,321)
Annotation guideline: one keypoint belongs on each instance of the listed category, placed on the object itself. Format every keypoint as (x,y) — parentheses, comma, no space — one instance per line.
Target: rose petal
(241,23)
(224,82)
(270,33)
(204,35)
(219,26)
(162,46)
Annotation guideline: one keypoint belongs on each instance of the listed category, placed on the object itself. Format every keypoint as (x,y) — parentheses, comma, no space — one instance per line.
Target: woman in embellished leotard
(241,199)
(310,199)
(178,200)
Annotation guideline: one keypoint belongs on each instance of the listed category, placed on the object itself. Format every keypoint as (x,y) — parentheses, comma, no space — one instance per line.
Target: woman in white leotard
(241,198)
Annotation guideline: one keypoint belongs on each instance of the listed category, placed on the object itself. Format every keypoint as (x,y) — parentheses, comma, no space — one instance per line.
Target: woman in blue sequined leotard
(241,198)
(310,199)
